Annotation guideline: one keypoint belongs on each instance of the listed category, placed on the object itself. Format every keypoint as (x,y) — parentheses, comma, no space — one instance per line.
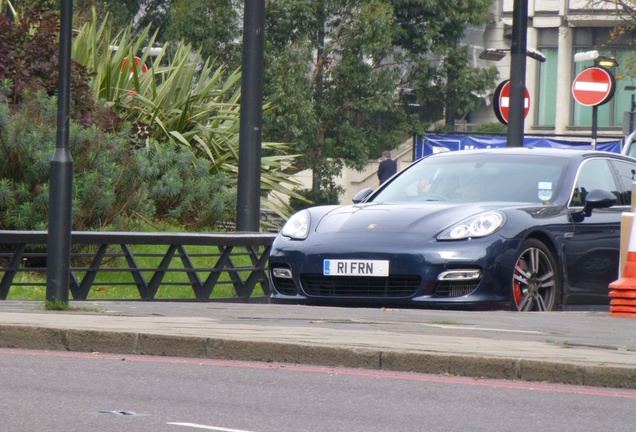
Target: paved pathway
(583,348)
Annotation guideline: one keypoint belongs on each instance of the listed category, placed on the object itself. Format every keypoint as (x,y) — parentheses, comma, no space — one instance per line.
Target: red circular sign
(137,60)
(501,102)
(594,86)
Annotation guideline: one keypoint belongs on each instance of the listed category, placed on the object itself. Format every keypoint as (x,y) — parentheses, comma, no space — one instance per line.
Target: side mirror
(598,198)
(595,199)
(362,195)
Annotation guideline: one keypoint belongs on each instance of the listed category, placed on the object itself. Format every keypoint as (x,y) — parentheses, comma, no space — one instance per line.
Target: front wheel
(535,279)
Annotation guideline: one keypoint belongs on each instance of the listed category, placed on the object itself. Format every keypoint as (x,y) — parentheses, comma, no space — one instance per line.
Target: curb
(479,367)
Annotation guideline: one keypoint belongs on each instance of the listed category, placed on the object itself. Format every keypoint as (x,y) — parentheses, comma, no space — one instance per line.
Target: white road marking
(461,327)
(212,428)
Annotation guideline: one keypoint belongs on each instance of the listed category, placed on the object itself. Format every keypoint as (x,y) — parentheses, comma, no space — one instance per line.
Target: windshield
(476,177)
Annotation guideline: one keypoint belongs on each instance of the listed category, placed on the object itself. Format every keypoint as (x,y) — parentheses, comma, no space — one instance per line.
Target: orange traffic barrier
(623,291)
(623,309)
(622,302)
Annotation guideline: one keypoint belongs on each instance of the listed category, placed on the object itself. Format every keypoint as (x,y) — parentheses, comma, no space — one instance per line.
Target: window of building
(610,114)
(546,100)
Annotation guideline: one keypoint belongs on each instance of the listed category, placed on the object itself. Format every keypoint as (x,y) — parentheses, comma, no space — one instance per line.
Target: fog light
(459,275)
(282,273)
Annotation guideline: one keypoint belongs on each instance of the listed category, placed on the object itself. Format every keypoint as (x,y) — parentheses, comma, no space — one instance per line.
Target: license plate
(379,268)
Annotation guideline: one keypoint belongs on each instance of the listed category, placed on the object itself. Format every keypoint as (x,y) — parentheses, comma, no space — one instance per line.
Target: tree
(122,12)
(172,131)
(344,109)
(142,13)
(29,59)
(114,182)
(212,26)
(448,82)
(337,72)
(625,9)
(20,8)
(622,35)
(439,65)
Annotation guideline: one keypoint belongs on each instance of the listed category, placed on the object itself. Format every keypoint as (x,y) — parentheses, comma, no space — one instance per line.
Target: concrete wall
(354,181)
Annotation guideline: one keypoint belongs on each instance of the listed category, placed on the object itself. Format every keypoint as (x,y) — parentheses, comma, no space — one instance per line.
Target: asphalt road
(66,392)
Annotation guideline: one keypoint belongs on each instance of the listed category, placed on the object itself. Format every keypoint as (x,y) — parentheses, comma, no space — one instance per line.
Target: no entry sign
(137,60)
(594,86)
(501,101)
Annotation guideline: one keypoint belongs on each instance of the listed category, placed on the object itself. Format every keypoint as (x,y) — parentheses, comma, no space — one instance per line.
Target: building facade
(559,29)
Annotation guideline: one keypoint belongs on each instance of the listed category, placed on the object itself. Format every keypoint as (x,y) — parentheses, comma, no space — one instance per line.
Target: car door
(592,249)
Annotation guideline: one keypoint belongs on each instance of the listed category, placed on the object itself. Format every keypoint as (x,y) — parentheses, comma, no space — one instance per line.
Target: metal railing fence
(201,261)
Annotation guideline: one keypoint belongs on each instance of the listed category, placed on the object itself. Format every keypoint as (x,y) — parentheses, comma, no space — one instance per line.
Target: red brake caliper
(516,285)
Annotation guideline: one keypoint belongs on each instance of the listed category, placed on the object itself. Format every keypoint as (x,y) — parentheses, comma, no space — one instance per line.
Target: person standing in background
(387,167)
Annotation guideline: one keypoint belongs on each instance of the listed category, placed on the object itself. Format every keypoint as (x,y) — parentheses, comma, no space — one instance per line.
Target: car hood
(397,218)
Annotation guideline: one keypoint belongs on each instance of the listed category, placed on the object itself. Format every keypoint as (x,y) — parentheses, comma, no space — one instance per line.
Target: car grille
(285,286)
(354,286)
(455,288)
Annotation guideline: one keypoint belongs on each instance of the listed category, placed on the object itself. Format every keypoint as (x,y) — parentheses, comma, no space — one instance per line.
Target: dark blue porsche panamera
(510,228)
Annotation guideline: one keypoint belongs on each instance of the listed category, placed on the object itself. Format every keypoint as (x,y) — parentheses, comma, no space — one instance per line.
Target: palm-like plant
(182,99)
(10,7)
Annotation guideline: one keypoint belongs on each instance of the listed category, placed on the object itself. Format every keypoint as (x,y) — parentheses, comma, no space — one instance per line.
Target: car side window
(593,174)
(625,172)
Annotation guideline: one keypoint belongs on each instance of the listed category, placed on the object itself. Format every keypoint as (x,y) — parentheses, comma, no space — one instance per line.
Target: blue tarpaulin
(430,144)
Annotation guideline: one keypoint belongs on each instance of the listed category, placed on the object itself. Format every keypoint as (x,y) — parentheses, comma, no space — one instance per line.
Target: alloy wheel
(534,285)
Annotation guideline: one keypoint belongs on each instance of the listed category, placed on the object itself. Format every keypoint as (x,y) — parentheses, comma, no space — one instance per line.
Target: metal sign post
(594,86)
(518,72)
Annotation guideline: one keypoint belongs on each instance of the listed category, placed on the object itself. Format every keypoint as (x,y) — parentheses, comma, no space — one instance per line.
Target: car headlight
(477,226)
(297,227)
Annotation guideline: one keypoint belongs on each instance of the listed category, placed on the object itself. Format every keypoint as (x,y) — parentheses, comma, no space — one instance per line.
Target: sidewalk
(582,348)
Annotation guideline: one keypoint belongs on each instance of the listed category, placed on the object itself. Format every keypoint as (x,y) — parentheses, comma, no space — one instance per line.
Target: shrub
(184,104)
(181,188)
(107,191)
(113,184)
(29,57)
(183,100)
(496,128)
(314,197)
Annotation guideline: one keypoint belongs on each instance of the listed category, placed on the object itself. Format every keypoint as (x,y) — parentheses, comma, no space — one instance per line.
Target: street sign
(143,69)
(594,86)
(137,60)
(501,102)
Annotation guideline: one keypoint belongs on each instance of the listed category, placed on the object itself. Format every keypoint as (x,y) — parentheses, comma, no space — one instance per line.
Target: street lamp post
(61,177)
(250,133)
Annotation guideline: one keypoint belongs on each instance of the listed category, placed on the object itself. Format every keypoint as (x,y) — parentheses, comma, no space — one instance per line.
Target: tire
(535,280)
